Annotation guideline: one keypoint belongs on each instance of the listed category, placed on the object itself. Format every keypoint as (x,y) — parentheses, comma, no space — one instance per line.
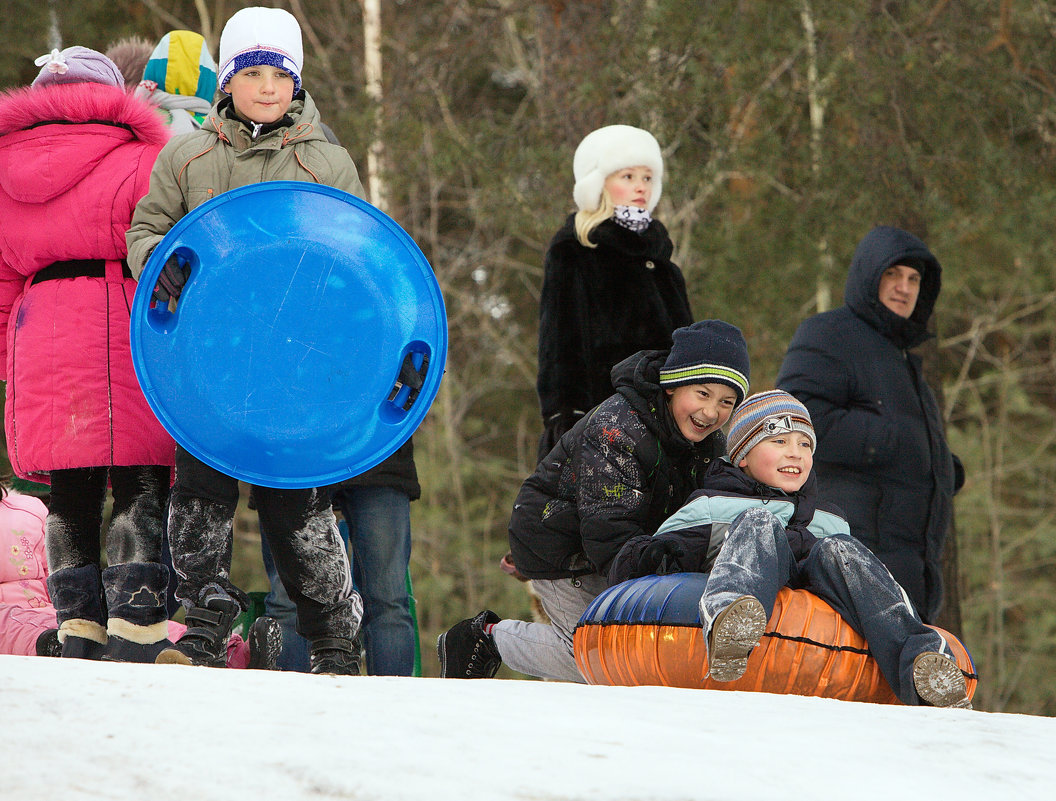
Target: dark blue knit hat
(708,352)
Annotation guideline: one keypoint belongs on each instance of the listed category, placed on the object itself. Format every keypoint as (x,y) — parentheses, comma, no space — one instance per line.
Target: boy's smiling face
(782,461)
(261,93)
(701,409)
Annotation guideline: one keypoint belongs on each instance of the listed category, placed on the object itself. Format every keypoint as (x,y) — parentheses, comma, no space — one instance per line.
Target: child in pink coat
(27,618)
(75,156)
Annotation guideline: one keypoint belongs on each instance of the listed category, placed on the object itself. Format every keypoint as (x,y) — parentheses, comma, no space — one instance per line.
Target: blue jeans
(378,523)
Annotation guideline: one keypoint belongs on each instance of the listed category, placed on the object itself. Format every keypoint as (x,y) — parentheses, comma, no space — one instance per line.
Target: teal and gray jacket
(698,529)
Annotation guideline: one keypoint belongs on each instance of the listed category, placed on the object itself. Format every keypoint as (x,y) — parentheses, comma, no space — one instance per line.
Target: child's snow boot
(208,630)
(137,627)
(939,681)
(48,643)
(77,593)
(735,632)
(466,651)
(336,656)
(265,643)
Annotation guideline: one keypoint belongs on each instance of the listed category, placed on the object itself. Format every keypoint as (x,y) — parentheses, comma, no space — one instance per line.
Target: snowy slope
(89,730)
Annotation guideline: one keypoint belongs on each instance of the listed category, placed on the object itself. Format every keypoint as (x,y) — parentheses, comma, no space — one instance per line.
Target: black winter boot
(48,643)
(77,593)
(138,627)
(208,630)
(336,656)
(466,652)
(265,643)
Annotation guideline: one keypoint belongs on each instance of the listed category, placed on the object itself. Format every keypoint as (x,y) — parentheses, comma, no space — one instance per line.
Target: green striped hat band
(704,373)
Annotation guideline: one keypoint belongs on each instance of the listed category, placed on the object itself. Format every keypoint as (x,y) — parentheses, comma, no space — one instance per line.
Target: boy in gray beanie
(756,526)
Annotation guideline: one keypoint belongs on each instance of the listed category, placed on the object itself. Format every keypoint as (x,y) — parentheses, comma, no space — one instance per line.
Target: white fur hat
(258,35)
(608,149)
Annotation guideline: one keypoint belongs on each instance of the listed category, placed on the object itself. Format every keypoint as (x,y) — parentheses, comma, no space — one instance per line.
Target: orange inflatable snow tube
(647,632)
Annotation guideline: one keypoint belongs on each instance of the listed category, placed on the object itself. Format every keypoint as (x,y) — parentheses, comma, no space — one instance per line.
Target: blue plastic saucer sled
(308,342)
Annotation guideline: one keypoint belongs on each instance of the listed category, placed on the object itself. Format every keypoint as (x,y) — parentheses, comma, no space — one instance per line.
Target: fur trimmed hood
(81,102)
(39,160)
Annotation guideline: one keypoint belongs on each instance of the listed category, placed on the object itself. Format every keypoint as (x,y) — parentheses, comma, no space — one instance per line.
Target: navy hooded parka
(882,455)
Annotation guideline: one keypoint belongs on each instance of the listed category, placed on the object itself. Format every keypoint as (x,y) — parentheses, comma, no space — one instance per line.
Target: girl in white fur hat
(610,288)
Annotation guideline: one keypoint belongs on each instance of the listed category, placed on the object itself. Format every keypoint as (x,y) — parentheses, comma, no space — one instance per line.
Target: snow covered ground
(90,730)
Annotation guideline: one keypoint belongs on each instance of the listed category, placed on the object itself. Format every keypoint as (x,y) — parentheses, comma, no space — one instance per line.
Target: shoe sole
(170,656)
(173,656)
(736,631)
(265,645)
(939,682)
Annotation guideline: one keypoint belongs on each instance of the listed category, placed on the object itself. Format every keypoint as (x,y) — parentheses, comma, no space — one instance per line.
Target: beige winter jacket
(196,167)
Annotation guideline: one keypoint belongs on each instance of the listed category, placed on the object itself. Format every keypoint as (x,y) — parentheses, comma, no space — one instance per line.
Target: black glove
(170,283)
(660,557)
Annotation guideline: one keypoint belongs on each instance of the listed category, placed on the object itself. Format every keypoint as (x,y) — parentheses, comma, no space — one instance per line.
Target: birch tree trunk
(377,187)
(816,105)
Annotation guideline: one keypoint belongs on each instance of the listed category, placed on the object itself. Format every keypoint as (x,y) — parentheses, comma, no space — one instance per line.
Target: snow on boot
(734,634)
(48,643)
(939,681)
(265,643)
(208,630)
(466,652)
(77,594)
(335,656)
(137,627)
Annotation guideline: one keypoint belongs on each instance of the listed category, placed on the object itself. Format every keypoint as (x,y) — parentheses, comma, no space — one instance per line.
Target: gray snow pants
(756,560)
(302,534)
(538,649)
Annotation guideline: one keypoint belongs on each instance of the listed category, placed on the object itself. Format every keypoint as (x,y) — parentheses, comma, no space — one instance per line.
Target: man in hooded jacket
(882,455)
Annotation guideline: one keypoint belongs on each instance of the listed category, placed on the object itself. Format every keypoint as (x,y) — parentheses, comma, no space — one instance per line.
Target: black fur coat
(598,307)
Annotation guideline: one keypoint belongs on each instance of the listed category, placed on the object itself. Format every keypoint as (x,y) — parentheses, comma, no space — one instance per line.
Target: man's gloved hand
(170,283)
(660,557)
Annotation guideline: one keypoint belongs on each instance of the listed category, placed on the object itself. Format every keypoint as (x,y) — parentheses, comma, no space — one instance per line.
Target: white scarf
(632,217)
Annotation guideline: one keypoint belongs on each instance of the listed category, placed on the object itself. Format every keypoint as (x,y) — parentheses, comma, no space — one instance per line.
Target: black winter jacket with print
(619,472)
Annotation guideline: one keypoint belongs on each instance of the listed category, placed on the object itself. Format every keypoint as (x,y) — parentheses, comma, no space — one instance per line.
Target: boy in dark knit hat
(756,526)
(617,473)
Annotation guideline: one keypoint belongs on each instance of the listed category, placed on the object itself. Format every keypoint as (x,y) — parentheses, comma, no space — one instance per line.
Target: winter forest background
(789,129)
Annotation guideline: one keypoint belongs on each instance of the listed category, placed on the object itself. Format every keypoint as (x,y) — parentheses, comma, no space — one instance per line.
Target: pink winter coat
(23,564)
(25,606)
(67,192)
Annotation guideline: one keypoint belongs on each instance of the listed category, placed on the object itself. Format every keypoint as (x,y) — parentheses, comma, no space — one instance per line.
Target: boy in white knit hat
(265,128)
(756,526)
